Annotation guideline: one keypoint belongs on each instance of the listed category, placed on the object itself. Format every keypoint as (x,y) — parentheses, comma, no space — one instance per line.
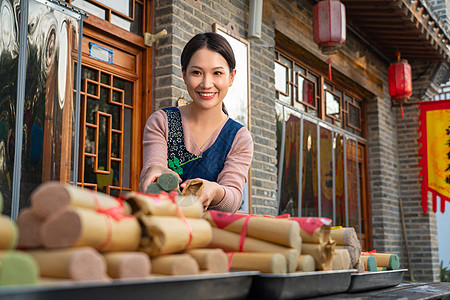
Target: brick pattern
(392,141)
(420,228)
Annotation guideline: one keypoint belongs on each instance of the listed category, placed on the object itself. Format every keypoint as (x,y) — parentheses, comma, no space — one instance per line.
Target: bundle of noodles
(346,238)
(341,260)
(127,264)
(29,225)
(316,240)
(165,235)
(210,260)
(261,237)
(306,263)
(163,205)
(263,262)
(385,261)
(78,264)
(52,196)
(9,233)
(66,227)
(16,267)
(76,227)
(174,264)
(279,231)
(170,223)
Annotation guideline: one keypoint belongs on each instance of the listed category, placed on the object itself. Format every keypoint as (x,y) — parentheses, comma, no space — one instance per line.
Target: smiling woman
(208,144)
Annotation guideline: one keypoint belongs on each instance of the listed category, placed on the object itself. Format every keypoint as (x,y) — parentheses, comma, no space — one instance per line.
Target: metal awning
(407,26)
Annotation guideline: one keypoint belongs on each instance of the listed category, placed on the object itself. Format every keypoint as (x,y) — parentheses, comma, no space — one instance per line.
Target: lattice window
(107,107)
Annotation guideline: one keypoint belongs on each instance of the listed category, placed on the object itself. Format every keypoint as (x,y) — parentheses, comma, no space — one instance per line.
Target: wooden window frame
(365,211)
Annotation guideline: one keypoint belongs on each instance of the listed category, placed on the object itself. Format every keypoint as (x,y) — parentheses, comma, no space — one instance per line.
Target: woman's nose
(207,81)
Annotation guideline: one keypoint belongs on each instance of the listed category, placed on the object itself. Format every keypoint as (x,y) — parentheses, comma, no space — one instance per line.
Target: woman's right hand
(153,172)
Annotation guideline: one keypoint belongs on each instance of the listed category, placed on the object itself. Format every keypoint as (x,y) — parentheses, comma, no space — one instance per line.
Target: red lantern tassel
(329,68)
(401,110)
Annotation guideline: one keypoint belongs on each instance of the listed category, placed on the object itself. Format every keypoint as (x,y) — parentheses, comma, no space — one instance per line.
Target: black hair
(211,41)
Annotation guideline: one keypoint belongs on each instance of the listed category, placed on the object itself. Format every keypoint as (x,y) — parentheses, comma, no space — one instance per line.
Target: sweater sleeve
(154,141)
(235,172)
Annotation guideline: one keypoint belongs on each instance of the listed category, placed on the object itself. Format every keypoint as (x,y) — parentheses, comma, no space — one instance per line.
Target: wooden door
(111,118)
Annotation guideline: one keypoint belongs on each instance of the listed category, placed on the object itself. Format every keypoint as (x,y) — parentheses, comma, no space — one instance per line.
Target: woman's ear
(184,76)
(232,75)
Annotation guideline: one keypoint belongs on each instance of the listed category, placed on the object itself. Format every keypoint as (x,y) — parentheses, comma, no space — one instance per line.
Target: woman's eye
(196,72)
(218,73)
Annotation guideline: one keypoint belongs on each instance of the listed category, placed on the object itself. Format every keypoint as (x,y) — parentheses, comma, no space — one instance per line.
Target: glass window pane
(127,149)
(326,172)
(354,116)
(352,185)
(310,207)
(333,105)
(91,88)
(90,8)
(300,70)
(281,75)
(123,7)
(306,90)
(313,78)
(338,146)
(290,169)
(105,79)
(121,22)
(115,171)
(136,25)
(103,142)
(89,141)
(285,99)
(115,145)
(288,63)
(92,107)
(89,175)
(89,73)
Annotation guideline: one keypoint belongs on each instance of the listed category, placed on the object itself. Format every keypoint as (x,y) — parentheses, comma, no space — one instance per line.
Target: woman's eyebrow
(215,68)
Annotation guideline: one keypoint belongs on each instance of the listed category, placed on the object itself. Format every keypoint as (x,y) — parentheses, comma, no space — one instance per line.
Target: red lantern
(400,82)
(329,25)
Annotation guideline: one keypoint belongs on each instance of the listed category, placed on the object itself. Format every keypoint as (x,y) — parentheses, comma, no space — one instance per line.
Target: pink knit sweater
(234,173)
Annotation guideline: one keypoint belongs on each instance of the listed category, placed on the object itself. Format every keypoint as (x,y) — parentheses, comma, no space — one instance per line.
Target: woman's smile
(206,95)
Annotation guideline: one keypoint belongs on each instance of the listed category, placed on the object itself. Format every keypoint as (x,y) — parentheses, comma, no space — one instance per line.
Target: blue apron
(207,166)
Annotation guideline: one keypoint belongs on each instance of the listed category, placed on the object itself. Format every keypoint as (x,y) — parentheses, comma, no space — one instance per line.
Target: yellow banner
(438,148)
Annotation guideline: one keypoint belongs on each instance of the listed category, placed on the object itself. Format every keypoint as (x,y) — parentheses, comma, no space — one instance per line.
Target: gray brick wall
(420,228)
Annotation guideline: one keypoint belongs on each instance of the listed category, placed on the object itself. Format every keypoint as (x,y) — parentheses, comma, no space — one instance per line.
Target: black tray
(300,285)
(233,285)
(361,282)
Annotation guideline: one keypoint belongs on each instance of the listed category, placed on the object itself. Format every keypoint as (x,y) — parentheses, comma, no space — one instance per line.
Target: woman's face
(207,78)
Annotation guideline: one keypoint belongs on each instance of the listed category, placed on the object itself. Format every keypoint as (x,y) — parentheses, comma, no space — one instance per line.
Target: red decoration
(434,141)
(329,25)
(400,83)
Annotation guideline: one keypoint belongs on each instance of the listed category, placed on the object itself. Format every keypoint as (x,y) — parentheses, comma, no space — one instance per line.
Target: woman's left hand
(212,192)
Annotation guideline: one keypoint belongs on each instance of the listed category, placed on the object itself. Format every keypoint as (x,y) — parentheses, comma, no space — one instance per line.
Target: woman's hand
(212,192)
(153,172)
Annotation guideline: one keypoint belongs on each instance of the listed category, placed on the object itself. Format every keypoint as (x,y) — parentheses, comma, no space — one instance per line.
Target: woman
(199,140)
